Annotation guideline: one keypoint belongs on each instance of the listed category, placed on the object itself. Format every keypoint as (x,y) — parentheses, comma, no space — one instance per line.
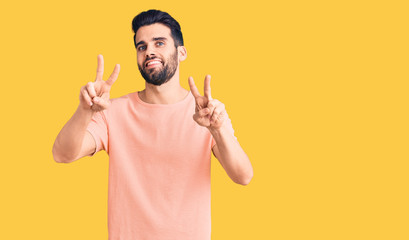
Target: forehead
(148,32)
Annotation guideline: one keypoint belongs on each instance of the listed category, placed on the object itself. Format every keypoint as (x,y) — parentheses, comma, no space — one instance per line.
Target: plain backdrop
(316,91)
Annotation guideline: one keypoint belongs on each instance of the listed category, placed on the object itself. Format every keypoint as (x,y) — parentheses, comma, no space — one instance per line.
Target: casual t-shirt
(159,169)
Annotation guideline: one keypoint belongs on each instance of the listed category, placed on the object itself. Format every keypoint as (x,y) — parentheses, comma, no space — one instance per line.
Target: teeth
(153,62)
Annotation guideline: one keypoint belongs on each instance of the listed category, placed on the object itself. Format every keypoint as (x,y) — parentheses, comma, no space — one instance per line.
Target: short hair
(155,16)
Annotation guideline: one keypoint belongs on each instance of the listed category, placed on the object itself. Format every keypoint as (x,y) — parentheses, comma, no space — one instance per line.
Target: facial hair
(160,76)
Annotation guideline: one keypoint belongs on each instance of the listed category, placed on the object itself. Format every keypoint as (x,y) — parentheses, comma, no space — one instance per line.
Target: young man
(159,166)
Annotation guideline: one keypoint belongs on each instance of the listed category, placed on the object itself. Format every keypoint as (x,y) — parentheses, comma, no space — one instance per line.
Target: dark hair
(155,16)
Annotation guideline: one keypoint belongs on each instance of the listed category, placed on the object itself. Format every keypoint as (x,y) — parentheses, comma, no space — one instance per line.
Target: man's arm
(74,141)
(212,114)
(231,156)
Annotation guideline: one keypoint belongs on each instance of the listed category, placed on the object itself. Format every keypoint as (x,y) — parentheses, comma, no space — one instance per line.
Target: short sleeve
(98,127)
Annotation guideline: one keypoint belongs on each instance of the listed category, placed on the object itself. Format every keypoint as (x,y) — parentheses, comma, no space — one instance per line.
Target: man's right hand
(95,95)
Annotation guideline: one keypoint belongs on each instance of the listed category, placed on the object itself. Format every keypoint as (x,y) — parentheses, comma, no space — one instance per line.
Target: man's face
(157,55)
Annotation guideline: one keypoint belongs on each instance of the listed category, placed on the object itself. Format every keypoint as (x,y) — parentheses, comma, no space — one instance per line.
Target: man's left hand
(209,112)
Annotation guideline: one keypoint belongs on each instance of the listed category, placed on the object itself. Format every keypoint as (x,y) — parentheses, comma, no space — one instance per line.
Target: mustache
(150,58)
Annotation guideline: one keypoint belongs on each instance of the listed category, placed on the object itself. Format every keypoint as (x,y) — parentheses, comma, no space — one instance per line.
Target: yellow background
(317,92)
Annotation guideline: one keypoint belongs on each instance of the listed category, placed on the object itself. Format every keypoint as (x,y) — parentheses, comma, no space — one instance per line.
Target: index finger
(207,91)
(193,88)
(100,68)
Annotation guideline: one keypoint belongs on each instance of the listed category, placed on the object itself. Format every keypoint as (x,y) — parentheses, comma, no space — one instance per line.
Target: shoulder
(119,105)
(123,100)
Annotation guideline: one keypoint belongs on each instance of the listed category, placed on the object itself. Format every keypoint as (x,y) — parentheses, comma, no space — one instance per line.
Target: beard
(160,76)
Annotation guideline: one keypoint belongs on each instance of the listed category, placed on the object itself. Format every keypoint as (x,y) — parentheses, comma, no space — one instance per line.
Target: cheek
(139,60)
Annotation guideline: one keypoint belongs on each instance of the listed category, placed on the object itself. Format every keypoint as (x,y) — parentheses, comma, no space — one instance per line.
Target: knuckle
(195,117)
(216,103)
(84,92)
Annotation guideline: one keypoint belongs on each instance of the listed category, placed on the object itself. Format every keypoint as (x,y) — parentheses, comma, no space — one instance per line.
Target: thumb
(203,112)
(100,103)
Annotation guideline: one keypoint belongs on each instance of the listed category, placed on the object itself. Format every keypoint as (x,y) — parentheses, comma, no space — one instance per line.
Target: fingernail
(96,99)
(90,103)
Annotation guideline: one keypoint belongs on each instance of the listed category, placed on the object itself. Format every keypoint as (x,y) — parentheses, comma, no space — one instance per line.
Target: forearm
(231,156)
(68,144)
(211,113)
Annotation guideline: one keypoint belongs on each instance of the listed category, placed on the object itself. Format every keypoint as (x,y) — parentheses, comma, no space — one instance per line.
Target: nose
(150,52)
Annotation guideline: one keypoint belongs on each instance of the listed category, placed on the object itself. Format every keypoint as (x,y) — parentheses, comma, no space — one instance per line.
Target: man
(159,167)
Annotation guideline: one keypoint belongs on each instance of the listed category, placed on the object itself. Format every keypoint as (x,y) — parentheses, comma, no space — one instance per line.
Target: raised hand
(95,95)
(210,113)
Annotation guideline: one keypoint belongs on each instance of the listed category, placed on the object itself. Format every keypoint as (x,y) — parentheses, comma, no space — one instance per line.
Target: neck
(167,93)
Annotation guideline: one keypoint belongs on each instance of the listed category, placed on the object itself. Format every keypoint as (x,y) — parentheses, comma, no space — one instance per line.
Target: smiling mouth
(153,63)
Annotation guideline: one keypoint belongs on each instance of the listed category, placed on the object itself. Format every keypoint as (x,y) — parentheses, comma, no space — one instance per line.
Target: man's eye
(160,43)
(141,48)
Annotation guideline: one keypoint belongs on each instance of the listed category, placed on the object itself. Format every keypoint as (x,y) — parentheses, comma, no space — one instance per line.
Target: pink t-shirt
(159,169)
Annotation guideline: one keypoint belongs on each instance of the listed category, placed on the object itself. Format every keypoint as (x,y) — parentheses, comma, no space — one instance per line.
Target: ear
(182,53)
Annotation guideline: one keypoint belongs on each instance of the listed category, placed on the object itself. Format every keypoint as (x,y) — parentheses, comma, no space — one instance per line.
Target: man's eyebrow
(139,43)
(154,39)
(159,38)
